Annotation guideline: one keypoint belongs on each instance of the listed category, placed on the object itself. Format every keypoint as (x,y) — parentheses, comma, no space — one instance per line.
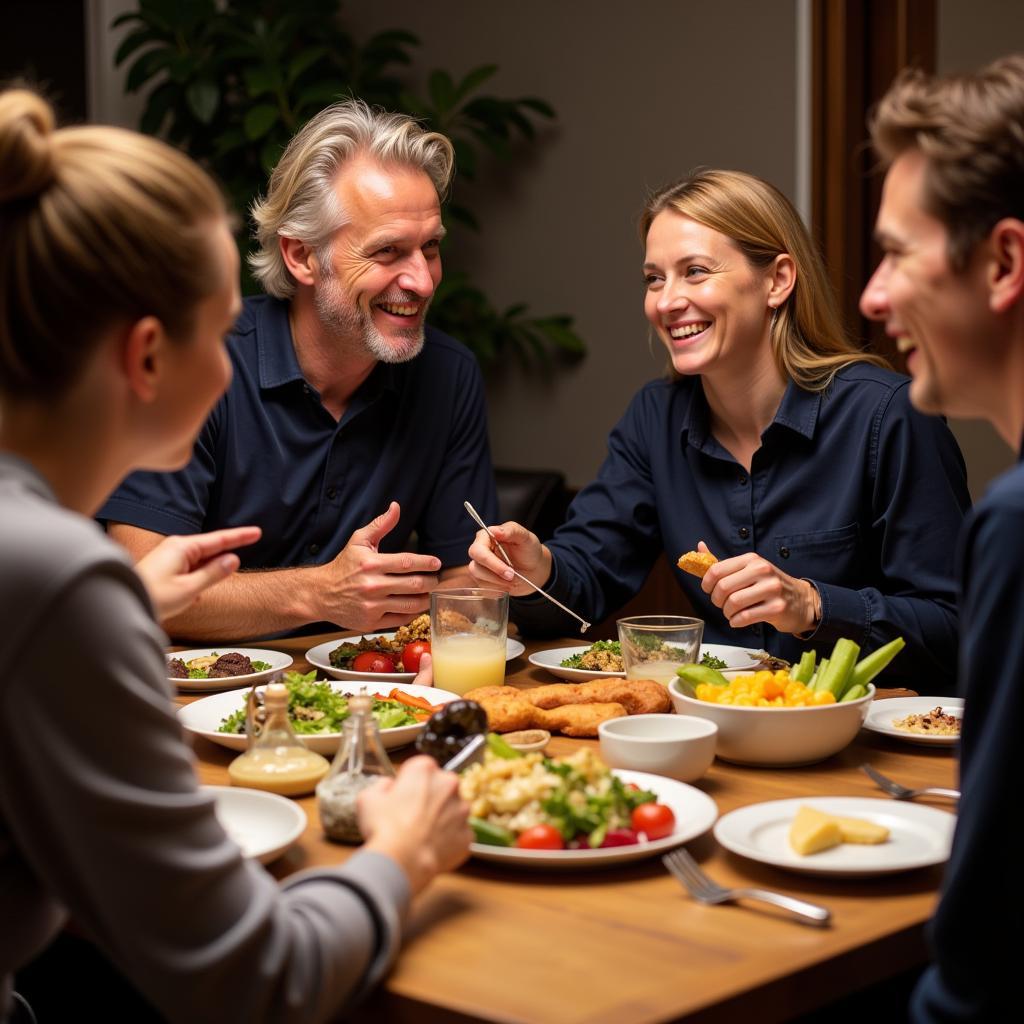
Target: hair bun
(26,151)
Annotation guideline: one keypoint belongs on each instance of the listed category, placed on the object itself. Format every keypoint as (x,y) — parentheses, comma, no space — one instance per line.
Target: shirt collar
(798,411)
(279,364)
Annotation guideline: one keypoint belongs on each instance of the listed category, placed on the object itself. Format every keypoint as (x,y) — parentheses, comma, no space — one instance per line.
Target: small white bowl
(777,737)
(677,746)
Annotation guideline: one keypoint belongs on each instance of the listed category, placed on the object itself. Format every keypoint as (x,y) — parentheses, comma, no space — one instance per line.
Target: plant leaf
(473,80)
(203,99)
(259,120)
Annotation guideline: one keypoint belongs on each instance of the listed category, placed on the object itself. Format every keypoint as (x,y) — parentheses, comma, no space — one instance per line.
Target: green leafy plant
(231,81)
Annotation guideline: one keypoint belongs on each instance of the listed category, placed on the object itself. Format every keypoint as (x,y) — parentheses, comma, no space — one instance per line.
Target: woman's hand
(417,819)
(749,589)
(179,569)
(530,558)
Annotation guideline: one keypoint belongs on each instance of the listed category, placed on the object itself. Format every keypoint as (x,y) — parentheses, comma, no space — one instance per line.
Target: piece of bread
(696,562)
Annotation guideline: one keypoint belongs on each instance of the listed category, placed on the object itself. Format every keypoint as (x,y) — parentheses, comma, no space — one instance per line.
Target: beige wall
(644,92)
(972,33)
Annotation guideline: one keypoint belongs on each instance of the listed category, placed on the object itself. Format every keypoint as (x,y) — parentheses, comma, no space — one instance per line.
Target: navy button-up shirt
(851,489)
(976,943)
(270,454)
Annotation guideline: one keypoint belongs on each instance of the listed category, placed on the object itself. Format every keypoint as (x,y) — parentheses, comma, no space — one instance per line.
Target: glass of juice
(467,638)
(654,646)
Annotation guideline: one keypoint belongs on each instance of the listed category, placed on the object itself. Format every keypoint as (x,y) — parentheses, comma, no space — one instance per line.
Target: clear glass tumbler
(654,646)
(467,638)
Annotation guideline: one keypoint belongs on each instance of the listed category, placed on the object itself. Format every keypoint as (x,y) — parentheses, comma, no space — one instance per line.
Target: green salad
(316,707)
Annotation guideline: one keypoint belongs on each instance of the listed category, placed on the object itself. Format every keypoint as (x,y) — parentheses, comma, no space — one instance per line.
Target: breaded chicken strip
(579,720)
(507,710)
(637,696)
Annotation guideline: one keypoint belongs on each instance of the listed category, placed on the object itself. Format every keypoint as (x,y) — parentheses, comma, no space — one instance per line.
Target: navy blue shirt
(977,930)
(271,455)
(851,489)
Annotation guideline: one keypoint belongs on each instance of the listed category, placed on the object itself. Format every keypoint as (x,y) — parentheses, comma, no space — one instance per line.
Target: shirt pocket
(828,555)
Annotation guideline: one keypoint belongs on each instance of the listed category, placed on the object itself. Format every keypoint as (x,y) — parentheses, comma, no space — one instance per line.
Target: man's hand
(749,589)
(179,569)
(364,589)
(529,557)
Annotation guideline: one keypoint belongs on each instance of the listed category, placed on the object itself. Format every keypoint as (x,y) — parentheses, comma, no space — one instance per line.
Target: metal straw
(584,625)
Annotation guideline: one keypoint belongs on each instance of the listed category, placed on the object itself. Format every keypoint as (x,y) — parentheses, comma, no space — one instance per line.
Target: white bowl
(776,736)
(678,746)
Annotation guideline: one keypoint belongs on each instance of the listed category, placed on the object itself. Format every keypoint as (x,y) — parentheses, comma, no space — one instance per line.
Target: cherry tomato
(373,661)
(541,837)
(411,654)
(655,820)
(620,837)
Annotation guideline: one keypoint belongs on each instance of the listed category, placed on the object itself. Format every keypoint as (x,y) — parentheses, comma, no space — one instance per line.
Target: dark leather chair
(536,498)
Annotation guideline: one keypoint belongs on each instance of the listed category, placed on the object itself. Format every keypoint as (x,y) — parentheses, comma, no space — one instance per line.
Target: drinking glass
(654,646)
(467,638)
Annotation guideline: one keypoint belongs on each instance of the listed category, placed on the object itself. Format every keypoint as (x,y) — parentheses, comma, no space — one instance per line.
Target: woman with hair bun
(118,282)
(832,507)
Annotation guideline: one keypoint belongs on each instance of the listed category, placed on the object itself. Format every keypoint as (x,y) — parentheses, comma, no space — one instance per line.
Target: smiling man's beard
(348,321)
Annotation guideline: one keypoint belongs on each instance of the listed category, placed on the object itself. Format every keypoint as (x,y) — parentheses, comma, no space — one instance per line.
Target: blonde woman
(118,283)
(794,457)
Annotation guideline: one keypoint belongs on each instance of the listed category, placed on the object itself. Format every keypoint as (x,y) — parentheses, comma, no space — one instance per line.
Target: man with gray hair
(349,423)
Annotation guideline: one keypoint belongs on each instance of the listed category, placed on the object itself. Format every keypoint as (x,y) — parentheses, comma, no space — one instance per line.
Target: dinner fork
(901,792)
(686,870)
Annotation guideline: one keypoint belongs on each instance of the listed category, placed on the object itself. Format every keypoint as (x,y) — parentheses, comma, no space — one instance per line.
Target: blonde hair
(970,129)
(98,225)
(301,201)
(807,337)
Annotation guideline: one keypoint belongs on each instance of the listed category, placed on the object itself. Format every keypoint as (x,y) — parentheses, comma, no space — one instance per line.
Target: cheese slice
(857,830)
(813,831)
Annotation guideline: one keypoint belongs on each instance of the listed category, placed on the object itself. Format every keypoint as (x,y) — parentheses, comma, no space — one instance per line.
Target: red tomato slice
(411,654)
(541,837)
(655,820)
(620,837)
(373,661)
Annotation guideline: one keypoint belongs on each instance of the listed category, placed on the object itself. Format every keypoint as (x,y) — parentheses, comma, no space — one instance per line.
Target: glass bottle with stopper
(276,759)
(361,760)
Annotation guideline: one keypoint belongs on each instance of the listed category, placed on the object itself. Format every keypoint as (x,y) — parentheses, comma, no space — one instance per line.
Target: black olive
(447,731)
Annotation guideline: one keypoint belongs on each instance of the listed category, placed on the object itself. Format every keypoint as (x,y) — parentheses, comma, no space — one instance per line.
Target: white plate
(920,836)
(277,660)
(263,824)
(204,716)
(695,813)
(551,660)
(882,713)
(321,657)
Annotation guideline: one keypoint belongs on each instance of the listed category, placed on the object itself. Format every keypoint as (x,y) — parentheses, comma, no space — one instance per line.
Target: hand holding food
(417,819)
(179,569)
(529,557)
(749,589)
(362,588)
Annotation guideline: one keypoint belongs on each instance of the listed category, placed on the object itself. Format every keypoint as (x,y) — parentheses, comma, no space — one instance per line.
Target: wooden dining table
(626,944)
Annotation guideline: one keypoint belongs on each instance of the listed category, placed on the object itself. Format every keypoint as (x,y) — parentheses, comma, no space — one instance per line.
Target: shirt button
(332,493)
(744,533)
(784,552)
(743,481)
(313,548)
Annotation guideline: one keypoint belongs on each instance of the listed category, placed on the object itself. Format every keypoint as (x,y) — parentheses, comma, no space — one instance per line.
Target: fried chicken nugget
(507,710)
(578,720)
(696,562)
(637,696)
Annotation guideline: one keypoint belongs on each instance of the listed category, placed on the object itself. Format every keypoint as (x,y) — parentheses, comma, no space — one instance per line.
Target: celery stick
(817,677)
(868,667)
(840,665)
(854,693)
(803,672)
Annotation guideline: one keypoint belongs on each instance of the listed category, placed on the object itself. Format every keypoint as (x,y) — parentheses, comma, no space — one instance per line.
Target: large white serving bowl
(777,737)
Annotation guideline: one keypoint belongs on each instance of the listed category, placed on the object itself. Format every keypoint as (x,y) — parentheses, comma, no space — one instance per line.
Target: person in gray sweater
(118,282)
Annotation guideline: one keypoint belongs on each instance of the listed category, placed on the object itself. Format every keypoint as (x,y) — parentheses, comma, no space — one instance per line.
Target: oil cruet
(276,760)
(361,760)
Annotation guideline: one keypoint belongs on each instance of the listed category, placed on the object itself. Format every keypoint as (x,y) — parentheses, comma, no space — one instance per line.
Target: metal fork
(901,792)
(686,870)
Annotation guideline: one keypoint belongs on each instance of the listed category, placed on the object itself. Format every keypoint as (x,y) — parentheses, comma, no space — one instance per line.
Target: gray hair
(301,202)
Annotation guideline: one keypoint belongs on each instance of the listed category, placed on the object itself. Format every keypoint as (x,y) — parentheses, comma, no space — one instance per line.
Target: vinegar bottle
(276,759)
